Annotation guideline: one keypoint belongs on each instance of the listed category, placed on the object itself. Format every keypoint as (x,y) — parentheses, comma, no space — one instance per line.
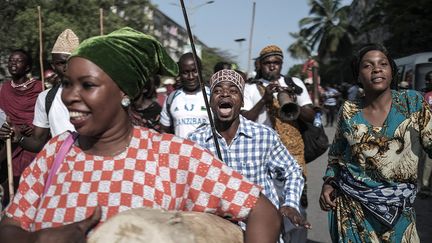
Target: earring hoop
(125,102)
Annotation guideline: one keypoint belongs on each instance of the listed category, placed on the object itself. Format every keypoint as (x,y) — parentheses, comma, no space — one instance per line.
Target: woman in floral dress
(371,179)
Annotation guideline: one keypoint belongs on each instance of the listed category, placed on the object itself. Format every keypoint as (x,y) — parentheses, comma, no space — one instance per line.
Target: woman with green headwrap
(112,166)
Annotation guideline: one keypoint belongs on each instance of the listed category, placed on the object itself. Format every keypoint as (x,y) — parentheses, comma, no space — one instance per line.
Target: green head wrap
(129,57)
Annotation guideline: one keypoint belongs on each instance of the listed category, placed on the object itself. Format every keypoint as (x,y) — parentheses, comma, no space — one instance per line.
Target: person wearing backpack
(184,109)
(261,105)
(51,115)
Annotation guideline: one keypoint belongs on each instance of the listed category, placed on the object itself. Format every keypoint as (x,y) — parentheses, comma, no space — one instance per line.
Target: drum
(159,226)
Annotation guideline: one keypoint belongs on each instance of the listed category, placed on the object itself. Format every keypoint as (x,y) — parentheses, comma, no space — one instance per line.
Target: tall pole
(41,48)
(240,41)
(101,21)
(200,79)
(10,169)
(250,39)
(315,86)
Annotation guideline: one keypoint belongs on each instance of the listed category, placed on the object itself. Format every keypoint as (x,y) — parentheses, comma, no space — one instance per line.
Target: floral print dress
(375,170)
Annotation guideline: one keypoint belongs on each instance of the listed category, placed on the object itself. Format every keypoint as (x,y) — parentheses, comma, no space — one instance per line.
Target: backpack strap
(168,104)
(58,159)
(290,83)
(50,97)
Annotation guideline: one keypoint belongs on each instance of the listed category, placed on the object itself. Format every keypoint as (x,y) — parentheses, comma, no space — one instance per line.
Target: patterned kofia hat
(227,75)
(271,50)
(66,42)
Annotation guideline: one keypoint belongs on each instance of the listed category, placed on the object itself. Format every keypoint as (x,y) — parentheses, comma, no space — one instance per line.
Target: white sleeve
(165,118)
(304,98)
(40,116)
(251,96)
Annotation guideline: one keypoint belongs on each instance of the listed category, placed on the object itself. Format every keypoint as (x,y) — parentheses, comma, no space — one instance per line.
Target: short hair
(27,54)
(373,47)
(186,56)
(221,65)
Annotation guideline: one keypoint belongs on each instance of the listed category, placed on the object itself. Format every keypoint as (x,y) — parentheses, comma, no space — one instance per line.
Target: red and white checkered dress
(156,170)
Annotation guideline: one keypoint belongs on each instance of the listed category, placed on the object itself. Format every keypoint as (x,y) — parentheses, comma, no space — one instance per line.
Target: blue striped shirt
(258,154)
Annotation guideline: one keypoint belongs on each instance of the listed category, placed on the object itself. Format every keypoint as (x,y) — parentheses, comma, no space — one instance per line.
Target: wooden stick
(200,79)
(41,48)
(101,21)
(9,167)
(250,39)
(315,90)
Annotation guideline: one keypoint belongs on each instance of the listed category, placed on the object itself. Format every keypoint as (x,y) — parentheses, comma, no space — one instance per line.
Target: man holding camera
(261,104)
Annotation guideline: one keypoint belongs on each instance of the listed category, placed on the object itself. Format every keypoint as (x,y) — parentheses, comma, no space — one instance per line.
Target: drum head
(159,226)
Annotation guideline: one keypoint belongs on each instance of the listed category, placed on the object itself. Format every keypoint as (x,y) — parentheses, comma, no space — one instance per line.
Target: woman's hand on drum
(71,233)
(327,198)
(295,217)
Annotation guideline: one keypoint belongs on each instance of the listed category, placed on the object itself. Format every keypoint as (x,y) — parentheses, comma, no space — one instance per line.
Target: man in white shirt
(261,104)
(54,119)
(184,109)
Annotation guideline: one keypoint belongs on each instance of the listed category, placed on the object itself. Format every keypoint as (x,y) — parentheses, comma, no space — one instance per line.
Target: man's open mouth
(225,108)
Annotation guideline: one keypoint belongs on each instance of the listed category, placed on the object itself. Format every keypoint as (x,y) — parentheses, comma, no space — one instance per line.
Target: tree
(211,56)
(327,28)
(296,71)
(20,21)
(408,25)
(300,49)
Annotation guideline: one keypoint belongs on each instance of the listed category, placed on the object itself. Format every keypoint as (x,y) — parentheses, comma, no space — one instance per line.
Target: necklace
(120,151)
(115,153)
(23,85)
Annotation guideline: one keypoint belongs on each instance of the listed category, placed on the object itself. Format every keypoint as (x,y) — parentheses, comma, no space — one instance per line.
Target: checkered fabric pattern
(157,171)
(257,153)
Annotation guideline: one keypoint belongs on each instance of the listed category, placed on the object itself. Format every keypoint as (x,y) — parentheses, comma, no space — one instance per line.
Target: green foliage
(408,24)
(20,22)
(327,29)
(211,56)
(300,49)
(296,71)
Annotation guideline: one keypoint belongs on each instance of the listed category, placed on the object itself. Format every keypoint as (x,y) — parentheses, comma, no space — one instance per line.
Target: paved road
(318,218)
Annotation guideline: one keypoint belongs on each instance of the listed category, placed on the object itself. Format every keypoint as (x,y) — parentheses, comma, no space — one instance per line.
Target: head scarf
(66,43)
(227,75)
(129,57)
(271,50)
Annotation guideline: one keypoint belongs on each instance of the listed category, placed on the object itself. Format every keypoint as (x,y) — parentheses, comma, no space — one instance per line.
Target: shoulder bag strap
(169,102)
(59,157)
(50,97)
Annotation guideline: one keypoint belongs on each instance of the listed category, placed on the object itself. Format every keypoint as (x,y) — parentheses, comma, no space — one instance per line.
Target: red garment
(155,171)
(307,67)
(19,106)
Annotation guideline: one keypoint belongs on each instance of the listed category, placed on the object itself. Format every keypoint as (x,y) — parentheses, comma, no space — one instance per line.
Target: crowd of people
(97,142)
